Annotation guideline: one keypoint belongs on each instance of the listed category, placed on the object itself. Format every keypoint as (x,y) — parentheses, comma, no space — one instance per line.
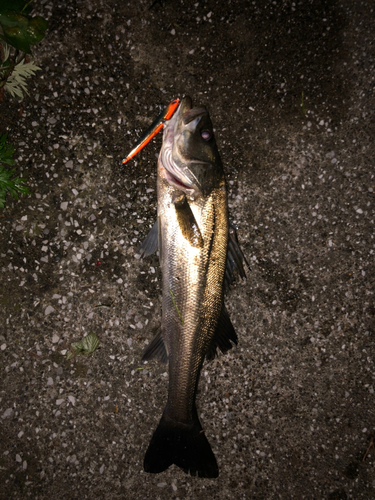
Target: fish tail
(182,444)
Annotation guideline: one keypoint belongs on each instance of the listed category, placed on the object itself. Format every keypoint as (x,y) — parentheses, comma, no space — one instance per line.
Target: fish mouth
(175,169)
(191,117)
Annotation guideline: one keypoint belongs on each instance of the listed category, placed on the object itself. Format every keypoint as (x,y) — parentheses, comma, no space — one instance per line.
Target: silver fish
(198,254)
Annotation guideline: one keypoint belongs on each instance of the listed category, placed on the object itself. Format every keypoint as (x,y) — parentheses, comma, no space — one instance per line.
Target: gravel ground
(290,412)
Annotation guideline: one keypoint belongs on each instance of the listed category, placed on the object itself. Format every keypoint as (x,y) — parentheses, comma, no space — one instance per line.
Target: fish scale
(195,277)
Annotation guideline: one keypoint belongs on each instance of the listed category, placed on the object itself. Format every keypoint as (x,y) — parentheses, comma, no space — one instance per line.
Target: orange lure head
(156,126)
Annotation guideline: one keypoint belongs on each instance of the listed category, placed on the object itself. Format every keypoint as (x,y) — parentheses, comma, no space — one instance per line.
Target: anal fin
(156,349)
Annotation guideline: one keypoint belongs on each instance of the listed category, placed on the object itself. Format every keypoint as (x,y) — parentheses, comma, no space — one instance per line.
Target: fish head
(189,159)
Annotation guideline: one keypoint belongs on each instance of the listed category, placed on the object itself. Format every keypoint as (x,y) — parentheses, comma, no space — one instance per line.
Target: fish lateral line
(154,129)
(176,307)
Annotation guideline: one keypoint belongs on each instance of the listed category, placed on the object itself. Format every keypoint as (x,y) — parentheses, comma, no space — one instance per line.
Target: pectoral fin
(150,244)
(223,337)
(186,220)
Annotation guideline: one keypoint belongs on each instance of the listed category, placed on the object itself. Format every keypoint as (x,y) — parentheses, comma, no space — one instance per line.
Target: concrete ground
(290,412)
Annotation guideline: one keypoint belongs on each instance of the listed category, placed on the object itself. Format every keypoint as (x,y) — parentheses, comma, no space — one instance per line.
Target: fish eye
(206,135)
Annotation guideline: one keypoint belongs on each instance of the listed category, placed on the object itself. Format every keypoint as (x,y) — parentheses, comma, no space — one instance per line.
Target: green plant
(14,71)
(86,346)
(18,31)
(7,184)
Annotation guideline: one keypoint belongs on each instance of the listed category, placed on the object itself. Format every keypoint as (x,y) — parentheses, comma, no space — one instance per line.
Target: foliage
(10,185)
(13,74)
(86,346)
(6,151)
(18,31)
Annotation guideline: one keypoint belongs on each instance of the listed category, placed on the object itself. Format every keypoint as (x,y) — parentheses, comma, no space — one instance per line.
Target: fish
(199,255)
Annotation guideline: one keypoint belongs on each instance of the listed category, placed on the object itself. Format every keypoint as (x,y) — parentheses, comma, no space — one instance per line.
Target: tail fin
(182,444)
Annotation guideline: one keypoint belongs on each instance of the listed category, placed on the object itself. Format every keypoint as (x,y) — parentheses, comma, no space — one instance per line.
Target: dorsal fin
(223,337)
(235,258)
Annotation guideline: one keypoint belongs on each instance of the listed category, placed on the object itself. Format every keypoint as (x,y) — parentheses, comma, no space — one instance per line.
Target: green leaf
(8,184)
(6,151)
(16,82)
(85,347)
(2,197)
(17,38)
(21,32)
(12,19)
(6,53)
(36,29)
(11,186)
(4,66)
(22,6)
(5,174)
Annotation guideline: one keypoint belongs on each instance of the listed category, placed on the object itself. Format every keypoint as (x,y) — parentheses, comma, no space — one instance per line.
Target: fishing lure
(156,126)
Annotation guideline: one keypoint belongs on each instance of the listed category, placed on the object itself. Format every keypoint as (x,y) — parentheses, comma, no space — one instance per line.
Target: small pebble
(48,310)
(7,413)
